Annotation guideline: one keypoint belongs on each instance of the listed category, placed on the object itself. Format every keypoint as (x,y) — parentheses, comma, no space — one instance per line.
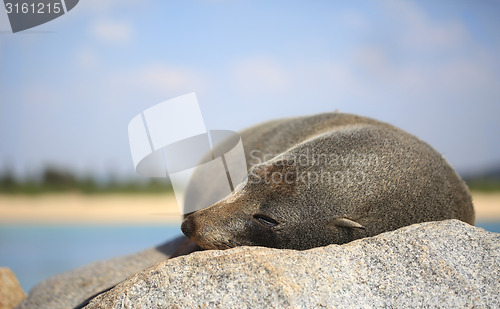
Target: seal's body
(330,179)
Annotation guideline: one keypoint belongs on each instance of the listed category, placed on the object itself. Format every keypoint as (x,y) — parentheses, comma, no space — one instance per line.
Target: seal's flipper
(344,222)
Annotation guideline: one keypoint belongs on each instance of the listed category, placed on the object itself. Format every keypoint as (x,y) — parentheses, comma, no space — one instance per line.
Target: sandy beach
(137,209)
(89,209)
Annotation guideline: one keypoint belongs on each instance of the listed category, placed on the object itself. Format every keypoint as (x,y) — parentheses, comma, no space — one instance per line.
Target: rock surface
(435,264)
(71,288)
(11,292)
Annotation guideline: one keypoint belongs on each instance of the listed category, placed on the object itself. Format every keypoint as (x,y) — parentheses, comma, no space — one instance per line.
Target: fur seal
(330,179)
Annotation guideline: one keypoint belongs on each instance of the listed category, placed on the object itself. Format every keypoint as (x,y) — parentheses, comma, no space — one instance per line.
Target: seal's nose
(187,227)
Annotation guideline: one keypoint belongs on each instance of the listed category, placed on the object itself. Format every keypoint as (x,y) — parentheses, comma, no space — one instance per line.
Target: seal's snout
(187,227)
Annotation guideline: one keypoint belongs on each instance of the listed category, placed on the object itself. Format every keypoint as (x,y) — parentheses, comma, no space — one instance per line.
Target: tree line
(57,180)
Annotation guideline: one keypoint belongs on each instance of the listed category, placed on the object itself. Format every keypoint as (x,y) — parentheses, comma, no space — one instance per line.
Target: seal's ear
(343,222)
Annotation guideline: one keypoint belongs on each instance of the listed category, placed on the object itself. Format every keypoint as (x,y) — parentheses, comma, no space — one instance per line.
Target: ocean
(35,252)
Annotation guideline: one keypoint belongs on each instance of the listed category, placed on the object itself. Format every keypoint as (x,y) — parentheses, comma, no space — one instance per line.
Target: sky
(69,88)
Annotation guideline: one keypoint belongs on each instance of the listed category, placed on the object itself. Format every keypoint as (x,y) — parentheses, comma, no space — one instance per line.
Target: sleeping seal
(330,179)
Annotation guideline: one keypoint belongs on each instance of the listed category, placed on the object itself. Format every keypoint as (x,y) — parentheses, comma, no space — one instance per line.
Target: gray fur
(373,178)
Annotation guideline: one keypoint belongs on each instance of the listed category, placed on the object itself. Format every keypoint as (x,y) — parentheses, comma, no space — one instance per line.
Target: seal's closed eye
(265,220)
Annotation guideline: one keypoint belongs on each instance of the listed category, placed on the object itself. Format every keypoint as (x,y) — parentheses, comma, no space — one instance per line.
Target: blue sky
(68,88)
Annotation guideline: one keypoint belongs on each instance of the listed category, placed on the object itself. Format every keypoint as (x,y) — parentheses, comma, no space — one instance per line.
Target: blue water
(37,252)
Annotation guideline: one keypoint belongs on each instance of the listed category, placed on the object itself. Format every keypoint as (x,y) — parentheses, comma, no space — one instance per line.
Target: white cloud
(260,74)
(471,77)
(374,60)
(87,58)
(353,19)
(166,79)
(425,59)
(112,31)
(417,30)
(459,77)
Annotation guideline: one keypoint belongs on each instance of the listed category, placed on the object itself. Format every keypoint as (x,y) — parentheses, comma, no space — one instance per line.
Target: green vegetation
(487,180)
(484,185)
(53,180)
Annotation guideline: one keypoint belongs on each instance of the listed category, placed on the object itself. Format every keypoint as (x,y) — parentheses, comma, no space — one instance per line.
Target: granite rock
(11,292)
(434,264)
(69,289)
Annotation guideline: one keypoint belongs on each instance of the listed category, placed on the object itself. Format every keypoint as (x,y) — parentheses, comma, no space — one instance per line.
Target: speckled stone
(436,264)
(71,288)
